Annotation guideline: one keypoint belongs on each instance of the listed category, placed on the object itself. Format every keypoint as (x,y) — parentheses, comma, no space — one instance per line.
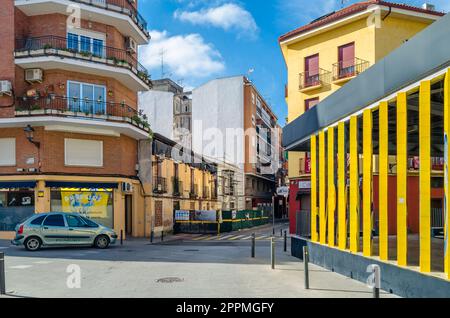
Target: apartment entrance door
(129,215)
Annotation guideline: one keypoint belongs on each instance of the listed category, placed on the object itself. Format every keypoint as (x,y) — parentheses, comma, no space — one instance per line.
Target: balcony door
(86,43)
(346,60)
(86,98)
(312,70)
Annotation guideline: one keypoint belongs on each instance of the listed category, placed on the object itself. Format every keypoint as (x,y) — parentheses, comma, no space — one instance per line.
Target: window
(86,98)
(7,152)
(38,220)
(54,220)
(312,70)
(74,221)
(346,56)
(84,153)
(310,103)
(16,206)
(85,44)
(90,223)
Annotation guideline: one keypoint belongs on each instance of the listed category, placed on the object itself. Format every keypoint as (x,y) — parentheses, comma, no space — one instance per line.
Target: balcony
(159,185)
(120,13)
(262,117)
(63,111)
(53,52)
(177,187)
(314,80)
(346,70)
(193,194)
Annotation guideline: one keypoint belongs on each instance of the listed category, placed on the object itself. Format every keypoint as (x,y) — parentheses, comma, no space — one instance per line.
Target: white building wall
(218,110)
(158,106)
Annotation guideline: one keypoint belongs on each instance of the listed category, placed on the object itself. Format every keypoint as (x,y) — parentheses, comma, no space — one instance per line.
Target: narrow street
(182,266)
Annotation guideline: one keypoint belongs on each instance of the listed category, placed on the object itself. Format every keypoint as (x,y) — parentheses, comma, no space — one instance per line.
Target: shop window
(7,152)
(95,204)
(84,153)
(16,206)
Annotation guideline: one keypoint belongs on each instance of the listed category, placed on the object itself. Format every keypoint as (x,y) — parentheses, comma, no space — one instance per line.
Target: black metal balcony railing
(60,46)
(76,107)
(193,193)
(159,185)
(177,187)
(122,6)
(346,69)
(314,78)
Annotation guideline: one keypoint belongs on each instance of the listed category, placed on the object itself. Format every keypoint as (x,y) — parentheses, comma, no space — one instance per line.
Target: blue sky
(201,40)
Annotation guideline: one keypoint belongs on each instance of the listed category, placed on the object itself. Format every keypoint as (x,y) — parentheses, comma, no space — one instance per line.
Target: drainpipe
(388,14)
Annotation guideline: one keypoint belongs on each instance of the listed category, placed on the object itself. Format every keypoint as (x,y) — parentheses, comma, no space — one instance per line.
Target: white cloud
(228,16)
(184,55)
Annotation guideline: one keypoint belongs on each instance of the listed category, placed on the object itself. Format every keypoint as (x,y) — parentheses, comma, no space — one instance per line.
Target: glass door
(99,100)
(86,98)
(74,96)
(87,93)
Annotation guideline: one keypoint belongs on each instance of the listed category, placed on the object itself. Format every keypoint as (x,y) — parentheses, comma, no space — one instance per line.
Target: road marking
(236,237)
(226,237)
(42,262)
(4,248)
(92,252)
(262,237)
(247,238)
(201,238)
(21,267)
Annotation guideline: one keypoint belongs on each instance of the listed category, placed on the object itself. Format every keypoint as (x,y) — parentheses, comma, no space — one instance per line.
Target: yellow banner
(92,204)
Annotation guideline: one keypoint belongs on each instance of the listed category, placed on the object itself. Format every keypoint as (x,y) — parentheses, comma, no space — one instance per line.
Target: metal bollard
(253,244)
(374,280)
(2,274)
(272,254)
(121,237)
(162,236)
(151,237)
(281,232)
(285,241)
(306,262)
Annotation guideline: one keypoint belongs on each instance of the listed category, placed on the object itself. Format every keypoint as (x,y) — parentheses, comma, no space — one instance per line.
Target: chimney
(429,6)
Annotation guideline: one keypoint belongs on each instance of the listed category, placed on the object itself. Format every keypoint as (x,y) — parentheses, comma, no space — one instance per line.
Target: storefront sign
(206,216)
(283,191)
(91,203)
(182,215)
(304,185)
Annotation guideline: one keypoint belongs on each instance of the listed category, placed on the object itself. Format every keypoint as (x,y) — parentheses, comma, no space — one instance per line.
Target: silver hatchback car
(62,229)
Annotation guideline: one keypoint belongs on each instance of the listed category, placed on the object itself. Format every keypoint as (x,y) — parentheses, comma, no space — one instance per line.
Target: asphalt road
(183,266)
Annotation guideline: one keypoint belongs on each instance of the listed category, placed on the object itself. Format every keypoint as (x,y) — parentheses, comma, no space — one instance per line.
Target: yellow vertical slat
(425,175)
(314,188)
(354,185)
(447,174)
(367,182)
(383,180)
(342,233)
(322,190)
(402,179)
(331,189)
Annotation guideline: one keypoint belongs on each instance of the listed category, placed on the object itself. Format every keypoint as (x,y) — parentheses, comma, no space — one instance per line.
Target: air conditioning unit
(33,75)
(131,45)
(127,187)
(429,6)
(5,88)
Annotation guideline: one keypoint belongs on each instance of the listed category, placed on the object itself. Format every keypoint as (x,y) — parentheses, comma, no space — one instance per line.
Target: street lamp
(29,133)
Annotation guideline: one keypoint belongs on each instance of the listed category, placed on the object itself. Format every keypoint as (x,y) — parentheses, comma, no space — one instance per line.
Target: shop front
(17,203)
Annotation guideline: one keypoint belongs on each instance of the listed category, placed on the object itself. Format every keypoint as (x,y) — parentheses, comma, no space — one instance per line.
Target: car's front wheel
(33,244)
(101,242)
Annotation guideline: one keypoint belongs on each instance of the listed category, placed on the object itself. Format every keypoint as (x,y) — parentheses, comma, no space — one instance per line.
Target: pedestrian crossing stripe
(236,237)
(201,238)
(262,237)
(226,237)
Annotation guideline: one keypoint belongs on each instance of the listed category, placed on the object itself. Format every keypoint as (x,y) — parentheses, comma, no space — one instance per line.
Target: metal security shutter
(7,152)
(85,153)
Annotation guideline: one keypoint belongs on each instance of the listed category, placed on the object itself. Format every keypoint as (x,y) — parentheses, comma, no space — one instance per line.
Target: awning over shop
(81,185)
(421,56)
(17,184)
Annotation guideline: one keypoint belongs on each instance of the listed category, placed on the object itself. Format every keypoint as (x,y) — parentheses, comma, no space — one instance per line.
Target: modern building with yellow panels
(363,211)
(324,55)
(180,182)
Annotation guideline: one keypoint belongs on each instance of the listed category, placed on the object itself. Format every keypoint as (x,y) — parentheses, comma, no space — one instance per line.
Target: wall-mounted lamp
(29,133)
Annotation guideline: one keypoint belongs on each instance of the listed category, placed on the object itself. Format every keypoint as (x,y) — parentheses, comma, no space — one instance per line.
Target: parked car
(62,229)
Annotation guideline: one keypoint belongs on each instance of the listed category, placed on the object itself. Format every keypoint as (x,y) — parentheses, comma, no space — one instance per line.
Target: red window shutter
(312,65)
(347,55)
(310,103)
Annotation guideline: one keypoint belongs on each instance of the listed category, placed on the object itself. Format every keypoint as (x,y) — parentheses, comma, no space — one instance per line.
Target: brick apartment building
(70,132)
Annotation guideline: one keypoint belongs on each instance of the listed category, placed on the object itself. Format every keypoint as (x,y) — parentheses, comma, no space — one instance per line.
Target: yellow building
(394,219)
(326,54)
(185,183)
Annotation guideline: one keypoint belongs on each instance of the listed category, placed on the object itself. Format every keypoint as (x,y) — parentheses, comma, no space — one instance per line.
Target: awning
(17,184)
(81,185)
(423,55)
